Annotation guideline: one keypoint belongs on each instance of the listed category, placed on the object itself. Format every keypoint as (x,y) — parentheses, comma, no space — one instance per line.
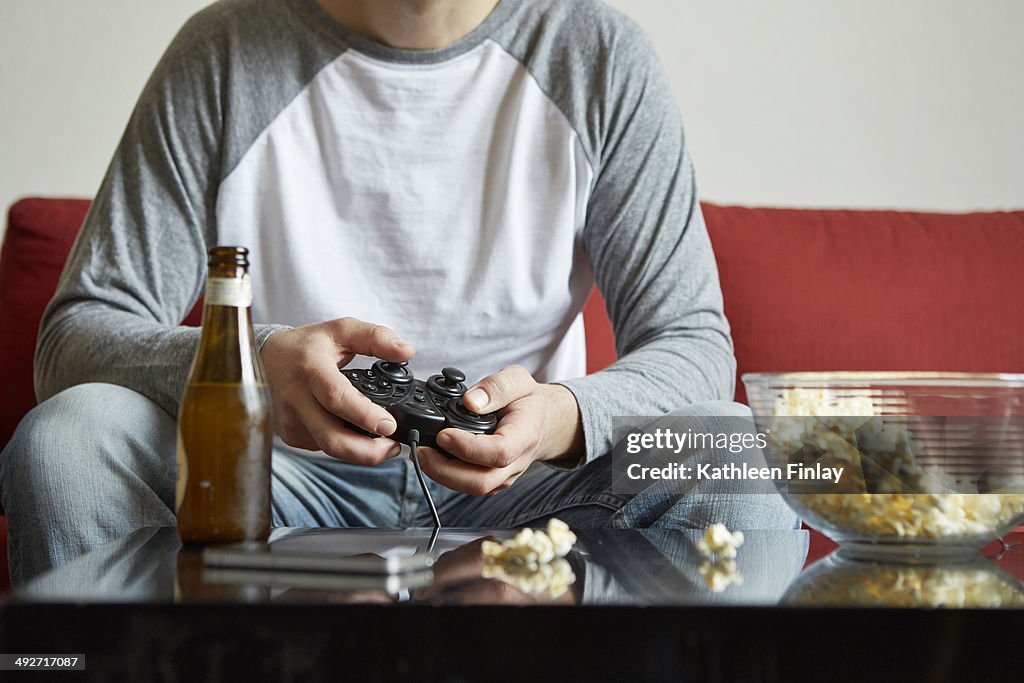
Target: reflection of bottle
(224,427)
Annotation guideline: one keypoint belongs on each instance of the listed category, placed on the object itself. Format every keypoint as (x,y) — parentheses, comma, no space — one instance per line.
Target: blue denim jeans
(98,461)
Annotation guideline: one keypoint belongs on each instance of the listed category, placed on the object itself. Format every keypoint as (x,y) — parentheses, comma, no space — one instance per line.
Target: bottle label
(229,291)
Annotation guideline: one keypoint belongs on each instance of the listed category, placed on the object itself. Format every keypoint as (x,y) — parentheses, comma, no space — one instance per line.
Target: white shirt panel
(442,200)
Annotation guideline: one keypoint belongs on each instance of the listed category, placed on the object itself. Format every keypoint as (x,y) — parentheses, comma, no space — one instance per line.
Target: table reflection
(628,567)
(610,567)
(842,582)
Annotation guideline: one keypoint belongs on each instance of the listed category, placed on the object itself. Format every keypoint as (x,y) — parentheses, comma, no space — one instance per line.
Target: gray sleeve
(138,265)
(648,246)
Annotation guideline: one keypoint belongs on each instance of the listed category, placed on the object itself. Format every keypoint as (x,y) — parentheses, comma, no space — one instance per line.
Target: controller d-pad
(373,389)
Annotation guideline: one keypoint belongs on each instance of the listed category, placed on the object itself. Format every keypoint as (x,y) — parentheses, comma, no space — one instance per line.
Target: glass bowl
(896,465)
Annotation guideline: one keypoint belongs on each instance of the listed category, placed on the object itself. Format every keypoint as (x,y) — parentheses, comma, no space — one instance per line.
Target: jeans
(98,461)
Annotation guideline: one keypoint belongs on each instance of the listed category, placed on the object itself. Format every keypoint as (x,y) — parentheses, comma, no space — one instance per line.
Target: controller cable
(414,438)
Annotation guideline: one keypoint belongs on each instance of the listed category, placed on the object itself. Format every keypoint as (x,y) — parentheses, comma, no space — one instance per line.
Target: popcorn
(718,540)
(914,516)
(533,561)
(885,493)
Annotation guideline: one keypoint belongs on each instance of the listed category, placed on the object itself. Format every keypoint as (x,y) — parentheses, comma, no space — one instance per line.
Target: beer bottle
(224,425)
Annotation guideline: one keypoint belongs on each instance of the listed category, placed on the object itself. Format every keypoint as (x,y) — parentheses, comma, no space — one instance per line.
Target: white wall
(859,103)
(867,103)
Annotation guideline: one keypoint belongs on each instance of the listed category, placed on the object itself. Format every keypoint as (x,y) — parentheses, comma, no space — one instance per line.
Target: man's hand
(538,422)
(311,398)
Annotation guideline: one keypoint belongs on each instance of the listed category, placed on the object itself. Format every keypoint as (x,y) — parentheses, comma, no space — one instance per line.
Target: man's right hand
(311,398)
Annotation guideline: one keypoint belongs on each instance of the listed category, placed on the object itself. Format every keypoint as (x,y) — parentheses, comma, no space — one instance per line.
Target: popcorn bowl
(897,466)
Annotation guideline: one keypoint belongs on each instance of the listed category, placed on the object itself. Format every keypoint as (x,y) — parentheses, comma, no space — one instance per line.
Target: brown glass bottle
(224,425)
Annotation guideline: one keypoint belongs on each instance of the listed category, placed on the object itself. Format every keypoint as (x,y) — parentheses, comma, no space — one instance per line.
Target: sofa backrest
(865,290)
(39,236)
(804,290)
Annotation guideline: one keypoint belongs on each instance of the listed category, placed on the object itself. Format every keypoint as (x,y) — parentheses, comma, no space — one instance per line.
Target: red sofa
(804,290)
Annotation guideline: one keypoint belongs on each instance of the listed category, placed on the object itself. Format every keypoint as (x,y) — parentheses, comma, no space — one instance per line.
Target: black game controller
(427,407)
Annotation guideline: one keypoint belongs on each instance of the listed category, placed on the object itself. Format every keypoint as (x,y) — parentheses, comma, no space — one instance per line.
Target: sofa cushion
(39,236)
(871,290)
(810,289)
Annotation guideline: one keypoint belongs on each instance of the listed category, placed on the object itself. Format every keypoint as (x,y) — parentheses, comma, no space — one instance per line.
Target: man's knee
(64,443)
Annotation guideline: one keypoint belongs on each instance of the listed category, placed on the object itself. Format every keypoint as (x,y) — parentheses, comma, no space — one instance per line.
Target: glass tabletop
(649,567)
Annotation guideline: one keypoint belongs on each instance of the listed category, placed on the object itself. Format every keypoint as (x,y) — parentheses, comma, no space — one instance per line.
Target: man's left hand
(537,422)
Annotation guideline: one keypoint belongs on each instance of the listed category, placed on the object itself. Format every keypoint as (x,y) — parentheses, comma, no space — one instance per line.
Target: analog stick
(448,383)
(396,372)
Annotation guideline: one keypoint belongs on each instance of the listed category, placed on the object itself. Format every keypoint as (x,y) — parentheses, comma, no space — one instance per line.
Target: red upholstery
(871,290)
(804,290)
(39,236)
(863,290)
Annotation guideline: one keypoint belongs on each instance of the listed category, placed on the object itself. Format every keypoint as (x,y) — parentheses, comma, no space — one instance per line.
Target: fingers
(368,339)
(476,480)
(329,435)
(337,395)
(517,435)
(311,398)
(498,390)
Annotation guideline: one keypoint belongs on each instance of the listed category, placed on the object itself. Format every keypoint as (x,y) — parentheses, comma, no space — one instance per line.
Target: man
(456,172)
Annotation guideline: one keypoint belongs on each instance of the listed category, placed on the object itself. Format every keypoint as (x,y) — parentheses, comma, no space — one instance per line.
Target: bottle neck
(227,346)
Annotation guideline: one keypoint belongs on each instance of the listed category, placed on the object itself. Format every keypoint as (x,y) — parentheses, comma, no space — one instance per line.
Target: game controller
(425,407)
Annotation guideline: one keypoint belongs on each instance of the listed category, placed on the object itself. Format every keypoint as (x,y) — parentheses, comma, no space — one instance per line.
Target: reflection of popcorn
(553,577)
(719,545)
(911,586)
(533,561)
(718,540)
(720,574)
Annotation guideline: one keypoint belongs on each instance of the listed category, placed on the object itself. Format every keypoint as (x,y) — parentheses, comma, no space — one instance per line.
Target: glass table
(636,604)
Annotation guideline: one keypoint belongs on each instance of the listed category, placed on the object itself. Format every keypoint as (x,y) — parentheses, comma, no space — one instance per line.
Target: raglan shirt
(466,197)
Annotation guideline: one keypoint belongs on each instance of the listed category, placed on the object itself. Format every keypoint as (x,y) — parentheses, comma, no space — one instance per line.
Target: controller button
(370,386)
(420,398)
(370,374)
(385,384)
